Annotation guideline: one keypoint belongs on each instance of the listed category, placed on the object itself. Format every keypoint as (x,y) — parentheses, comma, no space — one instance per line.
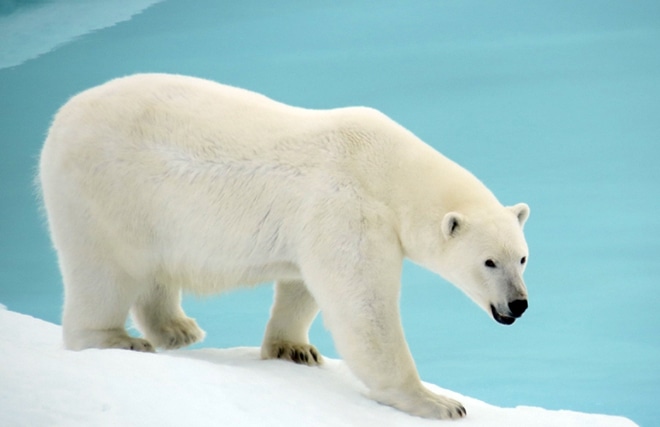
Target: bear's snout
(518,307)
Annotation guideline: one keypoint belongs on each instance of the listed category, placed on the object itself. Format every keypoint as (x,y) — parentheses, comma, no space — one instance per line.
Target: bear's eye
(523,260)
(490,263)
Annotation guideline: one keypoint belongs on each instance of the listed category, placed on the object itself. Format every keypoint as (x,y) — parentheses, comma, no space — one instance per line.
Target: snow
(43,384)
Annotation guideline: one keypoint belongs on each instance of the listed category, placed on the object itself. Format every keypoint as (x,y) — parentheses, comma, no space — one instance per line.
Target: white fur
(157,183)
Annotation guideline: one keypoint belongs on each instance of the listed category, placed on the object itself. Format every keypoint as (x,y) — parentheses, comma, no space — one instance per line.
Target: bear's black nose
(518,307)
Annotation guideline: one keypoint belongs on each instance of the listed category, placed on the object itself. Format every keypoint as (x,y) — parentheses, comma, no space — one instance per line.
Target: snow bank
(44,385)
(29,31)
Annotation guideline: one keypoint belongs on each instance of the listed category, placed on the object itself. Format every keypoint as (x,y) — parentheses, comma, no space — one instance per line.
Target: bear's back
(170,110)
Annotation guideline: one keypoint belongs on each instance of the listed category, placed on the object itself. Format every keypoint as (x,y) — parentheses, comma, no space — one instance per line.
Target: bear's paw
(129,343)
(421,403)
(176,333)
(303,354)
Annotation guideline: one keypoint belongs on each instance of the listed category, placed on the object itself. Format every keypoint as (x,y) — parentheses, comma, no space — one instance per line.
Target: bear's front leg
(286,335)
(358,294)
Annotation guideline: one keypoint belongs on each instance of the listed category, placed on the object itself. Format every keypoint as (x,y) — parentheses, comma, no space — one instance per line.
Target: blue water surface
(552,102)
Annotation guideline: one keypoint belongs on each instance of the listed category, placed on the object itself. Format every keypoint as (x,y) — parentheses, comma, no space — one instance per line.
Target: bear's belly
(211,279)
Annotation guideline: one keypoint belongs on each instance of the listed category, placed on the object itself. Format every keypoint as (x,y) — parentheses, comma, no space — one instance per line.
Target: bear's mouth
(504,320)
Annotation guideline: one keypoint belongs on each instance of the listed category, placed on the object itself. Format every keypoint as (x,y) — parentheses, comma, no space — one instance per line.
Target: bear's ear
(452,224)
(521,211)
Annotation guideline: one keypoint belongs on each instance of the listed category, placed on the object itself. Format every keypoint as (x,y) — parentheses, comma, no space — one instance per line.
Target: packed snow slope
(45,385)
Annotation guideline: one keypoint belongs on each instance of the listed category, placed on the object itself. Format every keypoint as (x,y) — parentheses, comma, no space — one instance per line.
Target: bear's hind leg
(96,304)
(159,316)
(292,314)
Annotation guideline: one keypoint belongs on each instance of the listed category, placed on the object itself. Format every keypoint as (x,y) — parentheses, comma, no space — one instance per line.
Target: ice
(29,31)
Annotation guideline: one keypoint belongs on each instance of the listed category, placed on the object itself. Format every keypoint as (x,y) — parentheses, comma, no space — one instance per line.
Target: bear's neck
(409,175)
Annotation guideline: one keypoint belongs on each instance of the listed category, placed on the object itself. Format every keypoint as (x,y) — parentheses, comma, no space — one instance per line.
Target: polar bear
(156,183)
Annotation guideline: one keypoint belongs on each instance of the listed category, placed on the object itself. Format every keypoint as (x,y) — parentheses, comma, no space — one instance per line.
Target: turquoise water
(555,103)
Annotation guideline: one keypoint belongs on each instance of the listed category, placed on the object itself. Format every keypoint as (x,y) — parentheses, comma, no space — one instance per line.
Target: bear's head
(485,256)
(483,253)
